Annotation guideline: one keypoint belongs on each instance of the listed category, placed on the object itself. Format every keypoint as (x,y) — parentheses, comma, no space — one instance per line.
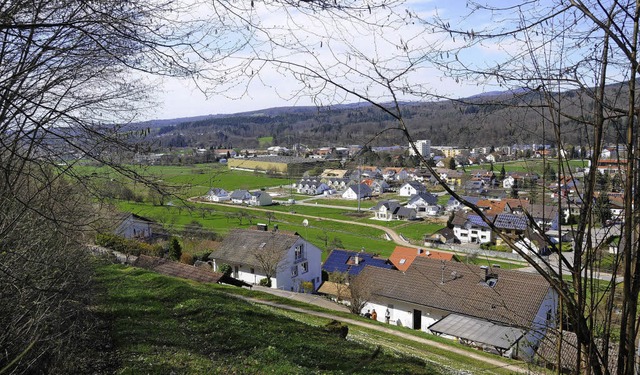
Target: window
(253,270)
(305,267)
(294,271)
(299,252)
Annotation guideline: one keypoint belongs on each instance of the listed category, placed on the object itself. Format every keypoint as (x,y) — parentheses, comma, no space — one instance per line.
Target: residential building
(425,204)
(357,191)
(251,253)
(392,210)
(240,196)
(423,146)
(260,198)
(411,188)
(502,310)
(217,195)
(470,228)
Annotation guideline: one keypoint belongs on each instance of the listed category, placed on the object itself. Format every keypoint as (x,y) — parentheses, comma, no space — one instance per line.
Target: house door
(235,272)
(417,319)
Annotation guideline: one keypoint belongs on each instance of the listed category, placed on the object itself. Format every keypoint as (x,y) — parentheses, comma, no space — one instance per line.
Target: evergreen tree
(175,249)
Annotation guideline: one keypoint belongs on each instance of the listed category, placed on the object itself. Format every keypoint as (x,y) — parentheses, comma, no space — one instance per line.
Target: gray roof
(511,221)
(514,300)
(239,194)
(478,330)
(239,246)
(363,189)
(426,196)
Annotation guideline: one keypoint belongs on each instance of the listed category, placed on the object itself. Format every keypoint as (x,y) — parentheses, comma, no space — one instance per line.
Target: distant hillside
(490,119)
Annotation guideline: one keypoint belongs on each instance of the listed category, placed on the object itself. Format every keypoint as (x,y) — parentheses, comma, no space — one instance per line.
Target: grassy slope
(164,325)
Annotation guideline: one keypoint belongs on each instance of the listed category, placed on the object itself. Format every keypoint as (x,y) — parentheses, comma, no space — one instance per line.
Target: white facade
(423,146)
(419,317)
(302,262)
(408,189)
(471,233)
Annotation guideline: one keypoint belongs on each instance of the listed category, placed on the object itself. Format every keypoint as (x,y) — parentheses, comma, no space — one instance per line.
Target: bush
(307,286)
(226,270)
(336,328)
(187,259)
(265,282)
(175,249)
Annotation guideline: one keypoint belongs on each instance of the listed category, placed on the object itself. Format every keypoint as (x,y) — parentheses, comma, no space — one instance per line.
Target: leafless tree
(72,79)
(270,259)
(361,287)
(571,64)
(341,281)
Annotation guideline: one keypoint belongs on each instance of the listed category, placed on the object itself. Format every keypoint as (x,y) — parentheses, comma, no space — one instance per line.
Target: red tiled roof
(409,254)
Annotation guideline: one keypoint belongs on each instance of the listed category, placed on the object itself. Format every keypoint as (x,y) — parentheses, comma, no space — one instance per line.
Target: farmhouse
(502,310)
(252,254)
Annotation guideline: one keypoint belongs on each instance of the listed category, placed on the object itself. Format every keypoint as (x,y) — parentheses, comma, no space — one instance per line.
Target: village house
(444,236)
(411,188)
(136,227)
(454,205)
(510,225)
(470,228)
(357,191)
(252,253)
(425,204)
(240,196)
(392,210)
(260,198)
(504,311)
(217,195)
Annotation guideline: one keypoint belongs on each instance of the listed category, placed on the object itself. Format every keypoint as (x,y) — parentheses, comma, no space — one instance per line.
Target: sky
(181,97)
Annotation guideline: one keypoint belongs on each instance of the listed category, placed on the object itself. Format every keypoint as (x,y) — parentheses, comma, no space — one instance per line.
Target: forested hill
(489,119)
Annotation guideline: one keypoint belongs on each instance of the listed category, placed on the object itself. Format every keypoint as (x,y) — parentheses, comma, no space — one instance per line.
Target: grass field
(164,325)
(160,324)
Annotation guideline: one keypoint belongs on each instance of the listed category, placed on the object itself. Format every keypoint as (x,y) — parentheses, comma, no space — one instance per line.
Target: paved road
(377,327)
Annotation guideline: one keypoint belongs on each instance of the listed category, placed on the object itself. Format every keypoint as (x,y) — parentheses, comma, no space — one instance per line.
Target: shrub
(187,259)
(226,270)
(265,282)
(336,328)
(307,286)
(175,249)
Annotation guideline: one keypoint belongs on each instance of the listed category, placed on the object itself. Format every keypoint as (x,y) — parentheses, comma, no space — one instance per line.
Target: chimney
(486,272)
(356,260)
(419,251)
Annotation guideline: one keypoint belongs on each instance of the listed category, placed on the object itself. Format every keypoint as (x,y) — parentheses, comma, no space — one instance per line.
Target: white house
(425,204)
(392,210)
(356,191)
(501,310)
(133,226)
(240,196)
(470,228)
(292,259)
(260,198)
(311,186)
(217,195)
(508,182)
(411,188)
